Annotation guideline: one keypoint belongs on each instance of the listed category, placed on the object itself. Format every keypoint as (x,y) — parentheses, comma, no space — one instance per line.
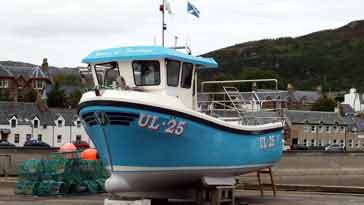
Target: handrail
(239,81)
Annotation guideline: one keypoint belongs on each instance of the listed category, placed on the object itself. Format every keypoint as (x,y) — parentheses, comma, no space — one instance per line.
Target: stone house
(17,82)
(312,128)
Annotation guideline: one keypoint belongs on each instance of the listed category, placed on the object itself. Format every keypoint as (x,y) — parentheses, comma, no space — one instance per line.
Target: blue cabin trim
(145,53)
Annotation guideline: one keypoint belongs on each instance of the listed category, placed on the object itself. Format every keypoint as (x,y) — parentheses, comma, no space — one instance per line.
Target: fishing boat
(149,130)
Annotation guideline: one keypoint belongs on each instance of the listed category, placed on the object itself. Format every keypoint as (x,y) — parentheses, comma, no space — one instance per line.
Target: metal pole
(163,24)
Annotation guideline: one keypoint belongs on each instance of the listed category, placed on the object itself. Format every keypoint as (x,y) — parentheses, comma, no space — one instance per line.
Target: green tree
(74,98)
(324,104)
(56,97)
(31,96)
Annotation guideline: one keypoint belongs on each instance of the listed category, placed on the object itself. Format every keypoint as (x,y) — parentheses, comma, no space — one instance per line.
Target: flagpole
(163,24)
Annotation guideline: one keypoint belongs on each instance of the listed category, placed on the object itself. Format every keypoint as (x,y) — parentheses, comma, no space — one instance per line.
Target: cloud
(66,30)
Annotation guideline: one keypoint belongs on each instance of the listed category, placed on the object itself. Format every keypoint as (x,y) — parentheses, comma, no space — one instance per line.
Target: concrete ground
(251,197)
(243,196)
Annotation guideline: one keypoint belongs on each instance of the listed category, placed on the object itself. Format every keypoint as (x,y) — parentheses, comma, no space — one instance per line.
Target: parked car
(36,143)
(5,143)
(81,144)
(334,148)
(299,147)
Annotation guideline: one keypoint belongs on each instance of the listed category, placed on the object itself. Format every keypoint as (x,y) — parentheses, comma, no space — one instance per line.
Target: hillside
(52,69)
(333,59)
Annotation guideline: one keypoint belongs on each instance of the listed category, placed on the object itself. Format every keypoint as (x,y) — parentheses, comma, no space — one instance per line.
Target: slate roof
(308,96)
(359,124)
(30,72)
(25,112)
(315,117)
(297,95)
(5,72)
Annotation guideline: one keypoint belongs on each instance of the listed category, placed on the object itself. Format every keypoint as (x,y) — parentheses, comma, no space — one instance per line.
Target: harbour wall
(11,158)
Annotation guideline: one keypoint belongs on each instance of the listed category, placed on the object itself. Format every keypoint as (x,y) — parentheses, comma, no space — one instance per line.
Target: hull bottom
(152,181)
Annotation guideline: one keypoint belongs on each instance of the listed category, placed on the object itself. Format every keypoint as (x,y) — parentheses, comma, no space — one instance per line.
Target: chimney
(44,66)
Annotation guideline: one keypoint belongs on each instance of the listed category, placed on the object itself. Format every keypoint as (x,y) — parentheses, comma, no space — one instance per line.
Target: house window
(35,123)
(44,126)
(13,123)
(39,137)
(59,138)
(313,128)
(78,137)
(306,128)
(350,143)
(334,129)
(16,138)
(320,129)
(59,123)
(38,84)
(78,123)
(173,70)
(4,84)
(312,142)
(187,71)
(334,141)
(342,128)
(28,137)
(305,142)
(342,142)
(328,129)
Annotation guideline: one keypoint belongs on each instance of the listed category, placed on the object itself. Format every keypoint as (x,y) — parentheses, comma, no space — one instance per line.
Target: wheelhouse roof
(145,53)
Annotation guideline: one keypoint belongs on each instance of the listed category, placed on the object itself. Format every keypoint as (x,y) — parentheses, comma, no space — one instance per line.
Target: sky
(65,31)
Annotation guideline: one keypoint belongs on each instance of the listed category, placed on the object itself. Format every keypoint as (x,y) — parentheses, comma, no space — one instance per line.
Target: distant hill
(333,59)
(52,69)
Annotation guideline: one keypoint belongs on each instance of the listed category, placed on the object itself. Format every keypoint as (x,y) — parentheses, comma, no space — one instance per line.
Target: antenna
(164,26)
(175,41)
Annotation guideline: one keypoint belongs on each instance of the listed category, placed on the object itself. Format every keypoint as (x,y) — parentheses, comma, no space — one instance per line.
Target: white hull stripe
(145,169)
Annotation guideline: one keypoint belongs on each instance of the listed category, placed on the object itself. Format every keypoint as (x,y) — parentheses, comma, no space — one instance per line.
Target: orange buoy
(68,147)
(89,154)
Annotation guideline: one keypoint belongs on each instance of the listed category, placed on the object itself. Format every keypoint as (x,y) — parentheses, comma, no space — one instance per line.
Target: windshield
(107,74)
(146,73)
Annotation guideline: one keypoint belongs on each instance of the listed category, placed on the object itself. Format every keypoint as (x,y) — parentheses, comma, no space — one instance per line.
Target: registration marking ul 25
(171,126)
(267,142)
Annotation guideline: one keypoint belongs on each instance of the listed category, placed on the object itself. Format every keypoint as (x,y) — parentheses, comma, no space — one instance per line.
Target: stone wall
(10,158)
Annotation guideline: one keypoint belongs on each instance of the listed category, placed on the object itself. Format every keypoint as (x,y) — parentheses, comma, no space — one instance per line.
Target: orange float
(89,154)
(68,147)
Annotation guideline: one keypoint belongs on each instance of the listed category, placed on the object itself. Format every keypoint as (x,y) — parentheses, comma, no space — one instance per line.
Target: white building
(20,122)
(355,100)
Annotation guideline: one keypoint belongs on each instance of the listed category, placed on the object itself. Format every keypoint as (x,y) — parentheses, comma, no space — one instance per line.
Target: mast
(164,26)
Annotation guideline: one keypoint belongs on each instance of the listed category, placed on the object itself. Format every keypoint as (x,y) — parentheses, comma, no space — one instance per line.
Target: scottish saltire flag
(192,10)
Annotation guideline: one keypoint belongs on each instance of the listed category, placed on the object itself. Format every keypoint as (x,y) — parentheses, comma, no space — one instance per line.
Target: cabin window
(187,71)
(146,73)
(107,74)
(173,68)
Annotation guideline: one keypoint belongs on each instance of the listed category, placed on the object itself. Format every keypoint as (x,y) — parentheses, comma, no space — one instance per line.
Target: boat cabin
(149,69)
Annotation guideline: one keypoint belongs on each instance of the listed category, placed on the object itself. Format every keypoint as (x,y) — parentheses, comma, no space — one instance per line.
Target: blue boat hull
(150,148)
